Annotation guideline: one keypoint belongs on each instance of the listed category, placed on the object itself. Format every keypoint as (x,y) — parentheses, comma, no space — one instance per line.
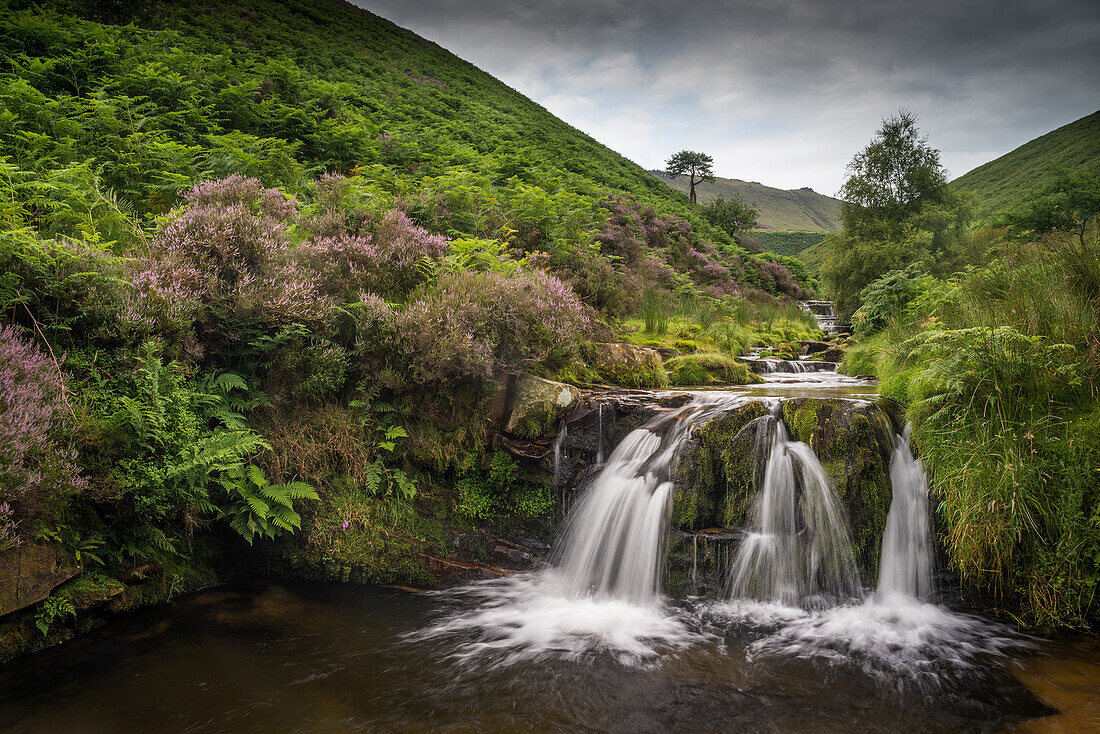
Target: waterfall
(614,535)
(563,432)
(798,545)
(906,563)
(599,434)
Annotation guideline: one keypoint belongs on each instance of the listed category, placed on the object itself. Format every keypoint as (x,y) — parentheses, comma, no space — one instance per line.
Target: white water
(893,635)
(563,432)
(797,548)
(614,535)
(906,563)
(603,596)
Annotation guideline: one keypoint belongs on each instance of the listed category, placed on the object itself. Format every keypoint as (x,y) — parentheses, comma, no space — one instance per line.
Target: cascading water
(563,433)
(614,535)
(798,546)
(906,563)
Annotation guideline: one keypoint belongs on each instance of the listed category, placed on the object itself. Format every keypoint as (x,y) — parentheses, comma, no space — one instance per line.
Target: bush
(470,324)
(38,461)
(887,298)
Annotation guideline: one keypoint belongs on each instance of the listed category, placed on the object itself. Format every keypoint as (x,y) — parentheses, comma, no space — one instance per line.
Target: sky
(783,92)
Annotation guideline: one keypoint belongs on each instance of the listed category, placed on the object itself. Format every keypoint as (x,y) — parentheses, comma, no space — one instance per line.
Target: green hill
(1008,180)
(802,210)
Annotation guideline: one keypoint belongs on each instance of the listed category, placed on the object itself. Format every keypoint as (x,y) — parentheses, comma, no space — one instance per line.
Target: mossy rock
(709,368)
(697,564)
(628,365)
(854,441)
(717,475)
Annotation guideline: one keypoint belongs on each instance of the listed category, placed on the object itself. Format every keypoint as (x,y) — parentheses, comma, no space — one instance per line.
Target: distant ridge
(1004,182)
(802,209)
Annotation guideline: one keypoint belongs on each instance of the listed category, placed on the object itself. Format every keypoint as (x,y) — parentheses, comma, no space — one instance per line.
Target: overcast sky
(783,92)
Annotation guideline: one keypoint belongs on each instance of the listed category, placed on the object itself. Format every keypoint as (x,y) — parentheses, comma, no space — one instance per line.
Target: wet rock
(854,440)
(832,354)
(720,469)
(697,564)
(629,365)
(814,347)
(30,572)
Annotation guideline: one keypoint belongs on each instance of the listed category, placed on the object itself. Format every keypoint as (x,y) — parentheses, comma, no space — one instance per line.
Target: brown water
(260,657)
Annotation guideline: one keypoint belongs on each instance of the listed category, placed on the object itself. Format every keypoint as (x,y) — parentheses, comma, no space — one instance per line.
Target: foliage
(708,368)
(698,167)
(51,610)
(732,216)
(38,469)
(897,211)
(254,506)
(887,297)
(499,491)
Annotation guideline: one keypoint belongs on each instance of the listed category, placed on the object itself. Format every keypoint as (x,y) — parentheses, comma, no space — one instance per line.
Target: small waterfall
(906,563)
(599,434)
(614,535)
(798,546)
(563,432)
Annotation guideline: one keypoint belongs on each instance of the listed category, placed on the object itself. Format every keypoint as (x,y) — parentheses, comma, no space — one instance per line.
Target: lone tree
(698,167)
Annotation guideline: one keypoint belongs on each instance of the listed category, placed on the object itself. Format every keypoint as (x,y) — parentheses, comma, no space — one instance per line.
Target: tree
(896,210)
(732,216)
(698,167)
(891,179)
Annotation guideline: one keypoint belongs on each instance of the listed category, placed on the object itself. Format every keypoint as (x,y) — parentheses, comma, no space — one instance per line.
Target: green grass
(1012,178)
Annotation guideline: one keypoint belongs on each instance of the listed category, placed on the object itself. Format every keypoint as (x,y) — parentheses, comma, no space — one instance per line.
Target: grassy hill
(1010,179)
(802,210)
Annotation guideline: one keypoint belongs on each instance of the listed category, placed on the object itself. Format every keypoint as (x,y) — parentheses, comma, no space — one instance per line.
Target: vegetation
(897,211)
(781,242)
(1018,175)
(795,209)
(998,365)
(261,269)
(698,167)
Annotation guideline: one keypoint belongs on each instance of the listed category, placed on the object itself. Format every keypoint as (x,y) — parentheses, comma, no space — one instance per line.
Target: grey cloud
(782,91)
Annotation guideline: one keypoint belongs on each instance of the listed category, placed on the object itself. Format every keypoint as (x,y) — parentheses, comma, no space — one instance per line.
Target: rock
(854,440)
(538,405)
(727,452)
(813,347)
(629,365)
(30,572)
(832,354)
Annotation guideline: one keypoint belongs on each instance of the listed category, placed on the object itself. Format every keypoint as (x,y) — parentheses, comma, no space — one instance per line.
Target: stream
(590,643)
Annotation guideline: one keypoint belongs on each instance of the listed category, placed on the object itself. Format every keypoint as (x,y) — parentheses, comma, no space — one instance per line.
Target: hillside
(802,210)
(1010,179)
(264,266)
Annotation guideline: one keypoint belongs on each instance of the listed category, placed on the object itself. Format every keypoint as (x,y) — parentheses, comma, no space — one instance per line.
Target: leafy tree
(732,216)
(896,210)
(698,167)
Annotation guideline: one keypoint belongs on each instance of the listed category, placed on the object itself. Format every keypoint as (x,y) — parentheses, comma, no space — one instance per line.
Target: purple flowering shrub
(38,469)
(226,255)
(470,324)
(384,262)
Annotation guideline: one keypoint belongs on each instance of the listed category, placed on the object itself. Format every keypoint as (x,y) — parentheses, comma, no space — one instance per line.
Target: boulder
(629,365)
(832,354)
(30,572)
(537,405)
(854,441)
(814,347)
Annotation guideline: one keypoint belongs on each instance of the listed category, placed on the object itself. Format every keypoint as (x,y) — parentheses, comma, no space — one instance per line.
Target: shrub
(38,467)
(470,324)
(887,298)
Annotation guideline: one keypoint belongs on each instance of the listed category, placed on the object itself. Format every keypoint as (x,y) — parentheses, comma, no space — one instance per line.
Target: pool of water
(512,655)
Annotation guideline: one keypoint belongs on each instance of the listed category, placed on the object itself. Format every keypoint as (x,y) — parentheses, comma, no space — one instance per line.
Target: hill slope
(802,210)
(1006,181)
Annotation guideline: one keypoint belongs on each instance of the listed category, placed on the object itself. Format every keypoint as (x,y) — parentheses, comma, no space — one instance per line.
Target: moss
(715,473)
(710,368)
(854,442)
(648,375)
